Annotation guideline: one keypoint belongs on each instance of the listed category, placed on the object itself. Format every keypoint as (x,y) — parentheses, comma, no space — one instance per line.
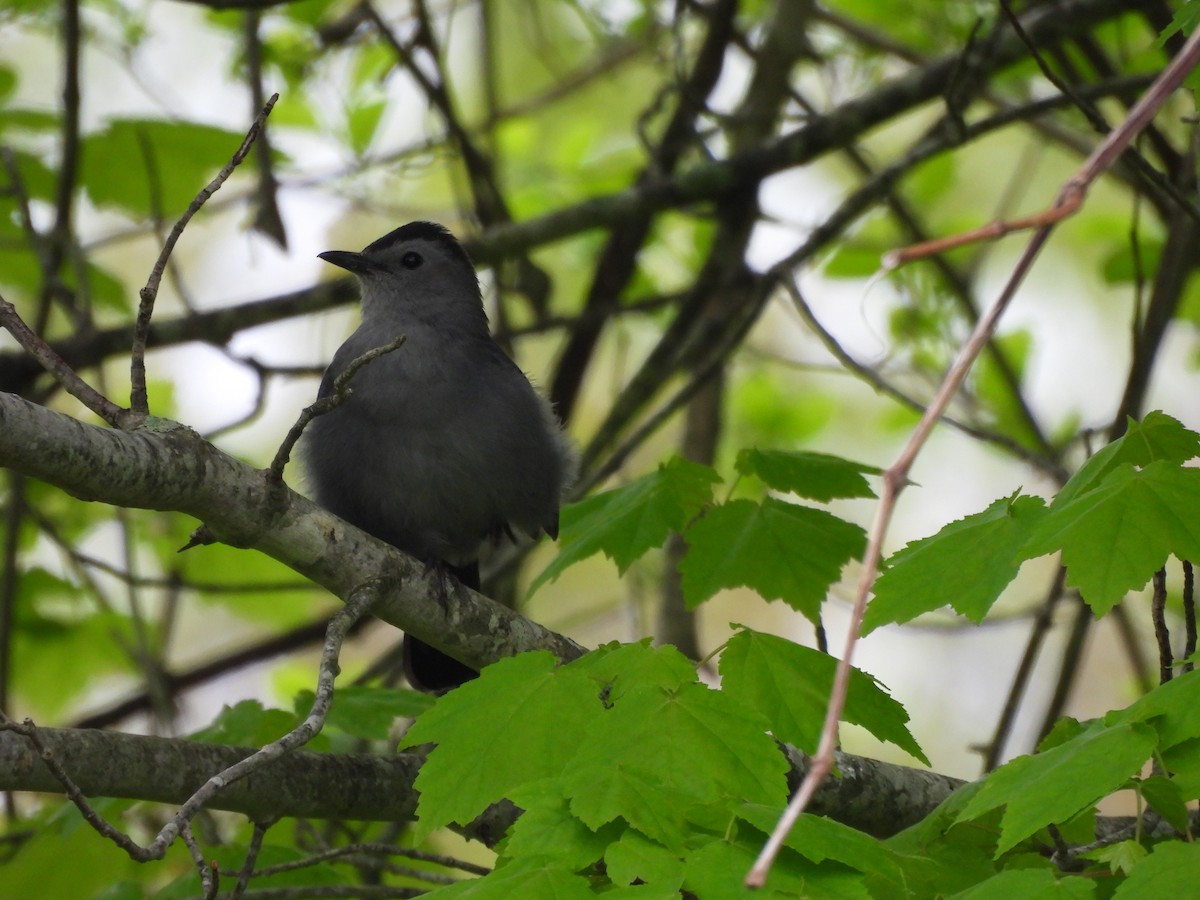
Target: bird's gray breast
(440,444)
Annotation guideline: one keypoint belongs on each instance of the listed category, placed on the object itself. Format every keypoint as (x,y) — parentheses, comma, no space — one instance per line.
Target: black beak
(345,259)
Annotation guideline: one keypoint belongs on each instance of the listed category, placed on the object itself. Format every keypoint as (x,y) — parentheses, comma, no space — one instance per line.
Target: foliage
(623,174)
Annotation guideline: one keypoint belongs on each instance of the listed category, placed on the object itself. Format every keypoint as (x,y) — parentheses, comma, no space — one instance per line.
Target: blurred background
(743,307)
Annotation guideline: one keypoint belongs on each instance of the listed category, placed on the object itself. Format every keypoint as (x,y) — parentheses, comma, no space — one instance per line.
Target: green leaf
(817,838)
(1156,437)
(1065,729)
(1122,857)
(1164,795)
(1053,786)
(657,752)
(25,119)
(1172,870)
(1171,708)
(1029,884)
(1115,536)
(58,649)
(790,684)
(1183,762)
(996,392)
(363,121)
(246,724)
(150,167)
(548,829)
(851,260)
(367,712)
(931,180)
(603,791)
(626,522)
(621,667)
(521,715)
(716,870)
(966,565)
(1186,18)
(817,476)
(122,890)
(1120,266)
(781,550)
(772,407)
(539,879)
(637,858)
(38,180)
(59,855)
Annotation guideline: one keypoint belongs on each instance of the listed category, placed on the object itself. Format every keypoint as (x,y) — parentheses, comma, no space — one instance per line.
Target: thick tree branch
(876,797)
(166,466)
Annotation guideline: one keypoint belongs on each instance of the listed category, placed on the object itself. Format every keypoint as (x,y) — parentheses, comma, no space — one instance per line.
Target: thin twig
(1068,204)
(875,380)
(29,731)
(374,849)
(896,477)
(1071,196)
(1162,634)
(332,400)
(10,579)
(60,236)
(1189,615)
(247,871)
(359,604)
(210,876)
(267,218)
(1131,643)
(57,366)
(1042,624)
(1133,159)
(1068,667)
(139,403)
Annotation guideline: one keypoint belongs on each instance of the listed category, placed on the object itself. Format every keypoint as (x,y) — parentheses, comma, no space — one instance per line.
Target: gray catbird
(443,444)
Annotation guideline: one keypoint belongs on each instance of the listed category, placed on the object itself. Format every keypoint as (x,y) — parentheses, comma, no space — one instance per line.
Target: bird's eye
(411,260)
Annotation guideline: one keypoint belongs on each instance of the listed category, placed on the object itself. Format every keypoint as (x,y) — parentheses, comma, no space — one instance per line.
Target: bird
(443,445)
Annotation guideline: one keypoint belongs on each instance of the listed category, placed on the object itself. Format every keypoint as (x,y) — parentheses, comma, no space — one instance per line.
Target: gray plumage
(442,444)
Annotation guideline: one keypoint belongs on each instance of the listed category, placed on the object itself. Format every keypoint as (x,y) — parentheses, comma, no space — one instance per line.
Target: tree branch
(876,797)
(166,466)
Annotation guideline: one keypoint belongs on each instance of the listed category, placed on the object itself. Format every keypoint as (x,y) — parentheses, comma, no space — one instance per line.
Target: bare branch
(1189,615)
(1072,194)
(138,400)
(32,734)
(210,876)
(339,626)
(247,870)
(167,466)
(1162,634)
(56,366)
